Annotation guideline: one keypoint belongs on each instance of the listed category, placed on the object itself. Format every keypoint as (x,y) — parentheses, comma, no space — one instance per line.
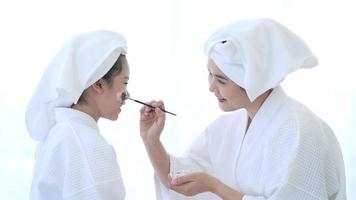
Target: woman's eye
(221,82)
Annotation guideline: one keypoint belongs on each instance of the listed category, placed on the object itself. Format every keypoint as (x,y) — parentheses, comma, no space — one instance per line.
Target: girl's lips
(121,104)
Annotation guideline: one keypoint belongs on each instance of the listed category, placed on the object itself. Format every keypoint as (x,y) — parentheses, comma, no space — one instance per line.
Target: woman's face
(229,95)
(113,96)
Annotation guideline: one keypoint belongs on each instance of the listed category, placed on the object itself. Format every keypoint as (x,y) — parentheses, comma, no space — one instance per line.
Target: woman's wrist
(215,186)
(224,191)
(151,141)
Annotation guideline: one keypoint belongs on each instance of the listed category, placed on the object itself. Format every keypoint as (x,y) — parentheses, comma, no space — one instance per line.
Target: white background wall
(167,62)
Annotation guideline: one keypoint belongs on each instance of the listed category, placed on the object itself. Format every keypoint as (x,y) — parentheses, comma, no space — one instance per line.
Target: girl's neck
(86,109)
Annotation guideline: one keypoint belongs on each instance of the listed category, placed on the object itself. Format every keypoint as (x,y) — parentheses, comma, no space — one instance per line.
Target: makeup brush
(137,101)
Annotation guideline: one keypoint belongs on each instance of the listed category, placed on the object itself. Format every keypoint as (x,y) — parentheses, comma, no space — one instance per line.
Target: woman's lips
(221,99)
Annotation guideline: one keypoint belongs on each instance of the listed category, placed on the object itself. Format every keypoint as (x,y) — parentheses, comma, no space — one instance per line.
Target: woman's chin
(223,108)
(226,108)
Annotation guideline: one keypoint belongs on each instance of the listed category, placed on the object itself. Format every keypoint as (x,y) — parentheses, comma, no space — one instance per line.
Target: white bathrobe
(286,153)
(75,162)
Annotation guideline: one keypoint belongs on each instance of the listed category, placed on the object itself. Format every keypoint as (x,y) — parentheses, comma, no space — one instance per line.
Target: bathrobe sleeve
(195,159)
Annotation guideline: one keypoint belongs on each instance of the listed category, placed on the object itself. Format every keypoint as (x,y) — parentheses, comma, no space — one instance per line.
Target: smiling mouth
(221,100)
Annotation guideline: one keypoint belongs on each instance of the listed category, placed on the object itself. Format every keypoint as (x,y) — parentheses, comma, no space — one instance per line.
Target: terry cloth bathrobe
(287,153)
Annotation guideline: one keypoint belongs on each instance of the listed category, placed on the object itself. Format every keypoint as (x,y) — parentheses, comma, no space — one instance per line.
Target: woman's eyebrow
(220,76)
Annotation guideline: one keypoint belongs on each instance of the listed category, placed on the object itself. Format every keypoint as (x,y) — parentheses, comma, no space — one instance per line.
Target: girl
(86,81)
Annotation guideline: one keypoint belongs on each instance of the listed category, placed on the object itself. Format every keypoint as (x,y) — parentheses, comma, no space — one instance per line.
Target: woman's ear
(98,86)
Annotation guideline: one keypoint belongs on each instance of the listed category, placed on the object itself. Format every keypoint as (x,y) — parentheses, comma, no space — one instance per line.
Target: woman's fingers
(145,110)
(183,179)
(148,112)
(186,188)
(155,104)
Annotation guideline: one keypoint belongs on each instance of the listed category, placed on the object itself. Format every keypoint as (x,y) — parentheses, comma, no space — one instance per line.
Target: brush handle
(153,106)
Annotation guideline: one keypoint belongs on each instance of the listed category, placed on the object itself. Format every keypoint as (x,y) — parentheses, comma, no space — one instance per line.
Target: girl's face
(229,95)
(113,96)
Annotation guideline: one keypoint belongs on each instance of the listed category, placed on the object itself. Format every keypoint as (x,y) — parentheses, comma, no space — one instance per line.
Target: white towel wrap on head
(258,54)
(81,62)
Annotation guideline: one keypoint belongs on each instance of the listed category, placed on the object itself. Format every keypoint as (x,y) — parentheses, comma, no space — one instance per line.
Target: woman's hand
(194,183)
(152,121)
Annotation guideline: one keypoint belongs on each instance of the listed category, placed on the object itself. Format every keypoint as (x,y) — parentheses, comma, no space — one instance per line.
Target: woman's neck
(253,108)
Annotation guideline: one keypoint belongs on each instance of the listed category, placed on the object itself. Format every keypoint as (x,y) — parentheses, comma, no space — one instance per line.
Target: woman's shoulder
(294,110)
(296,117)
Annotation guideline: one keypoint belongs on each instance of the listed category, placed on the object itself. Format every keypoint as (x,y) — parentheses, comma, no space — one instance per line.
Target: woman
(268,146)
(86,81)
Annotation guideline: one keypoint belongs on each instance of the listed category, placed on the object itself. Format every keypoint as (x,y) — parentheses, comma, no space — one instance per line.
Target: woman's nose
(211,85)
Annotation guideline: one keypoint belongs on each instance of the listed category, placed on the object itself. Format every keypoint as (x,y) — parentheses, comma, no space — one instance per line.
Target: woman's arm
(151,126)
(159,159)
(226,192)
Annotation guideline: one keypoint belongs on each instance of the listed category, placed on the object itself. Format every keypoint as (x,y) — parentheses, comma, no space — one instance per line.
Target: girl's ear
(98,86)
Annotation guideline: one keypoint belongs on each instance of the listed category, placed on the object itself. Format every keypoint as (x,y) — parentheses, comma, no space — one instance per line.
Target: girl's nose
(125,95)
